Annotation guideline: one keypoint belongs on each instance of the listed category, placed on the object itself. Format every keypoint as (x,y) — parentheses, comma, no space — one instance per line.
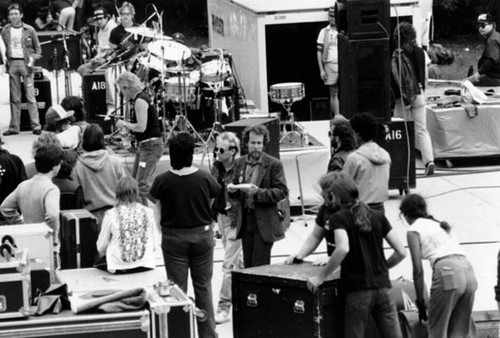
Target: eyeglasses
(97,18)
(126,13)
(483,24)
(219,150)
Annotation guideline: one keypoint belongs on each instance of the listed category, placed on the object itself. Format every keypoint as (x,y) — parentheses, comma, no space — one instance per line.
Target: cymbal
(147,32)
(169,50)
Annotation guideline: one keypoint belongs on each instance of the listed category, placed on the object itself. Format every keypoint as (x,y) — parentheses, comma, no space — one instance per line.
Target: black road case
(78,239)
(273,301)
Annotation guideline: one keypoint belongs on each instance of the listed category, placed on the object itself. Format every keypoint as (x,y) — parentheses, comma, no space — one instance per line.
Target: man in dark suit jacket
(258,185)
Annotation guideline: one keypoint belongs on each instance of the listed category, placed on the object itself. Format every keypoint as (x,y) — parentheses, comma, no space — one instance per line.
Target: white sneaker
(222,316)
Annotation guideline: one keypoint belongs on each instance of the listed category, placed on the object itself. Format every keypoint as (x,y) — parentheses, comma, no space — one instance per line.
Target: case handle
(252,300)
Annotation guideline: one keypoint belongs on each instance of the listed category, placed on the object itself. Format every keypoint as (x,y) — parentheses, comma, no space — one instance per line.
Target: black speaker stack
(364,57)
(364,28)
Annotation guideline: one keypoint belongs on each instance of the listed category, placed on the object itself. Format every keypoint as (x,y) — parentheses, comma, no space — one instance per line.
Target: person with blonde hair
(145,126)
(129,235)
(364,277)
(226,151)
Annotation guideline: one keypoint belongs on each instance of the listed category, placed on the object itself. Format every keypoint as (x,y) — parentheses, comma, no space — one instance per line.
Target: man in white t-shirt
(328,60)
(22,49)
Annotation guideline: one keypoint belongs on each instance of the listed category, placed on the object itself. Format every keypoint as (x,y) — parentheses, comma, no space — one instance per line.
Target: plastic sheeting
(455,134)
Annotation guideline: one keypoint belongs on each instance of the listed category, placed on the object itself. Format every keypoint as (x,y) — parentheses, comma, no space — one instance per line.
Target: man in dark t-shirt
(184,197)
(12,172)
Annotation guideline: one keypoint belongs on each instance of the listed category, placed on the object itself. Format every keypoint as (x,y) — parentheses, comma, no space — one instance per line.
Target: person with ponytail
(364,278)
(453,280)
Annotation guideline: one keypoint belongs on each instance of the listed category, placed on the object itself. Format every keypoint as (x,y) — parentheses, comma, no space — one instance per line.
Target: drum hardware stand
(296,129)
(66,66)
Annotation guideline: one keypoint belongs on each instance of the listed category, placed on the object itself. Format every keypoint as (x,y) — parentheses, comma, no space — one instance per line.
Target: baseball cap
(57,113)
(179,37)
(485,18)
(100,13)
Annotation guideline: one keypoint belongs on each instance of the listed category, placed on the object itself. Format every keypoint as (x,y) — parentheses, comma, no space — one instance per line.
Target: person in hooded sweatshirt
(98,172)
(369,165)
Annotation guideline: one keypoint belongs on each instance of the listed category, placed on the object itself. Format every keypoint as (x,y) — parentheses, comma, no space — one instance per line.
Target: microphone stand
(66,65)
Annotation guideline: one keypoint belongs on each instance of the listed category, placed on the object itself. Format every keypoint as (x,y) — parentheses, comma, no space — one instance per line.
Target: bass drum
(148,69)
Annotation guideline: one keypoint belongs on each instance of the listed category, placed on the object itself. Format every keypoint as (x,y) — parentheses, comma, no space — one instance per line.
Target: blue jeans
(18,70)
(453,288)
(380,304)
(232,258)
(192,250)
(418,114)
(146,158)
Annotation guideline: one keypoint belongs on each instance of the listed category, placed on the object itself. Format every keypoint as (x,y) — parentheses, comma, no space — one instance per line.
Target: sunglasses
(483,24)
(219,150)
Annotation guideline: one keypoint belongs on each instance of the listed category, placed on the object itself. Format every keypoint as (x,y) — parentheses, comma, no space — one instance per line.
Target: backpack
(409,88)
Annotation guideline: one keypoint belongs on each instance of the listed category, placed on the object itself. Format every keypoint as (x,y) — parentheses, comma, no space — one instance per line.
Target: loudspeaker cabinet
(395,141)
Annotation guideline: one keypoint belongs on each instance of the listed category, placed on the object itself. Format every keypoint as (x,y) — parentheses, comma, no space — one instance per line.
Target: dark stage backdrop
(291,57)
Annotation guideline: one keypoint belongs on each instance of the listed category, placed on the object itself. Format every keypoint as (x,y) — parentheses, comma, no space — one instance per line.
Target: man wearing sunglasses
(488,66)
(226,151)
(104,52)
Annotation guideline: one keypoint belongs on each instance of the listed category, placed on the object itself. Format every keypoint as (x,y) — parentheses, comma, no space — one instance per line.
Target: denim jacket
(31,45)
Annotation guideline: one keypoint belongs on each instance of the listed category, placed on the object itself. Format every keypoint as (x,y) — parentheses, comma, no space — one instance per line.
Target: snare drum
(215,71)
(174,91)
(288,92)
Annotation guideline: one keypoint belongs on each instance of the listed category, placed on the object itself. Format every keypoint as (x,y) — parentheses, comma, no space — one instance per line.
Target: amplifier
(395,142)
(94,99)
(43,95)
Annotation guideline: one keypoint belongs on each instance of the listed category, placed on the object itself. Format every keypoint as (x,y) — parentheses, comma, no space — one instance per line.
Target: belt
(17,59)
(149,140)
(195,230)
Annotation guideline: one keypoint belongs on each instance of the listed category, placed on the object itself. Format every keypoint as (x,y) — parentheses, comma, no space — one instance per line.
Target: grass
(467,51)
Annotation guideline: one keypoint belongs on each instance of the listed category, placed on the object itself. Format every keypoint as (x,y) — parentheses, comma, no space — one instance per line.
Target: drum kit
(172,74)
(287,94)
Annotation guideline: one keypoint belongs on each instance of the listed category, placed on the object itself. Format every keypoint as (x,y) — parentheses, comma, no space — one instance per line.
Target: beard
(255,154)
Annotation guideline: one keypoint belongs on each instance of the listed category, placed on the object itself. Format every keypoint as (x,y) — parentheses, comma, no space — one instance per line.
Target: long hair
(346,193)
(127,191)
(414,206)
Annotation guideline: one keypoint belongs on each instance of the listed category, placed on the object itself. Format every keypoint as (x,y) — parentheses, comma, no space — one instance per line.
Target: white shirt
(103,37)
(435,241)
(332,53)
(16,43)
(121,240)
(70,138)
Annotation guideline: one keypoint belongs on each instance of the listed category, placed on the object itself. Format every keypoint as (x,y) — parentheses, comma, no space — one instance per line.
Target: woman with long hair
(129,235)
(453,280)
(364,278)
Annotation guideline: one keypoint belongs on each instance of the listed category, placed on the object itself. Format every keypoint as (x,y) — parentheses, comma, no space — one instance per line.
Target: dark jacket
(489,63)
(272,189)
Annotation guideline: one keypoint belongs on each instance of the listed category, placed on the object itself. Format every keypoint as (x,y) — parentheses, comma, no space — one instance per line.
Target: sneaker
(10,132)
(429,169)
(37,131)
(222,316)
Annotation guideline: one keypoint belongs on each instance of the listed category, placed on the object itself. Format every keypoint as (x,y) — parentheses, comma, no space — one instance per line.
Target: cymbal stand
(217,126)
(66,66)
(181,121)
(296,129)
